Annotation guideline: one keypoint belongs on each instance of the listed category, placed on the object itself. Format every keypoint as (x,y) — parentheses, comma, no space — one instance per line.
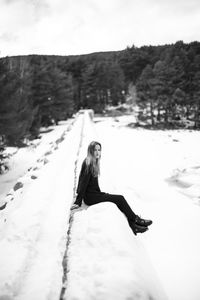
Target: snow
(24,158)
(157,172)
(34,225)
(108,263)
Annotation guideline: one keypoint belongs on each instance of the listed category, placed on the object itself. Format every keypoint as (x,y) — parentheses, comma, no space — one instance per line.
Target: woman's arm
(83,181)
(99,190)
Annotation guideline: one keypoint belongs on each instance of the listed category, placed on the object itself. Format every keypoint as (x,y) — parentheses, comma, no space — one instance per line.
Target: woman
(89,191)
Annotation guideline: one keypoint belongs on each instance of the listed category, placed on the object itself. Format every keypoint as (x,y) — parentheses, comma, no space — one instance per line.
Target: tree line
(167,80)
(40,90)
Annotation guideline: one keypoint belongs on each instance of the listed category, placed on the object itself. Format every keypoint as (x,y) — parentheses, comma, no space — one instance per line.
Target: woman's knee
(117,199)
(120,199)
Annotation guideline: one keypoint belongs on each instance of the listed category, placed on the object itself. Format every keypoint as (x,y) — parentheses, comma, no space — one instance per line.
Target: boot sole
(136,231)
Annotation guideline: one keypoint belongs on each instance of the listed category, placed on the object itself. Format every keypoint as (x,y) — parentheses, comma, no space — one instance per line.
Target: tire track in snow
(65,258)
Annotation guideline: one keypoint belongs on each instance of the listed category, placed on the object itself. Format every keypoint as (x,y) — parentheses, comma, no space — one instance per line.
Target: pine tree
(133,61)
(16,113)
(116,83)
(77,68)
(147,92)
(41,93)
(196,84)
(62,95)
(164,73)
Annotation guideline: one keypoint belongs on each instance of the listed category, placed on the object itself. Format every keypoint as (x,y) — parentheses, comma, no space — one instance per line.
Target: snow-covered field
(158,172)
(33,226)
(33,156)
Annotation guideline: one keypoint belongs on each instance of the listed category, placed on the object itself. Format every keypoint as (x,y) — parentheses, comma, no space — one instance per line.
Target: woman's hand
(82,207)
(74,206)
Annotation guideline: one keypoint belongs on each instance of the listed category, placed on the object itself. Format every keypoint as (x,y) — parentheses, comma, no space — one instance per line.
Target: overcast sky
(84,26)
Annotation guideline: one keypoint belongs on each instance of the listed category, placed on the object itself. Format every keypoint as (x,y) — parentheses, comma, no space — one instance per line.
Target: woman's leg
(119,200)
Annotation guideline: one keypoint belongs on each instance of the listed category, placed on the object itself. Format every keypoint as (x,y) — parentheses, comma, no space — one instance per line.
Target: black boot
(137,228)
(142,222)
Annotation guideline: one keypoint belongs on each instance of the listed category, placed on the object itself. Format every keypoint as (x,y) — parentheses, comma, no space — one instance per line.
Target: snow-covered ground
(22,159)
(158,172)
(31,158)
(33,226)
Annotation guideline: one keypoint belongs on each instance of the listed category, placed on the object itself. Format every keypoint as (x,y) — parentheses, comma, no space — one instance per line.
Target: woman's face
(97,151)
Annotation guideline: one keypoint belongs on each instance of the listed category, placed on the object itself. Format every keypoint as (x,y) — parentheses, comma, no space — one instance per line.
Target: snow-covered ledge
(106,261)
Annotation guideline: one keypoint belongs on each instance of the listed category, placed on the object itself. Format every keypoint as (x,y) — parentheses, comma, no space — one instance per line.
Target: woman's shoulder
(85,165)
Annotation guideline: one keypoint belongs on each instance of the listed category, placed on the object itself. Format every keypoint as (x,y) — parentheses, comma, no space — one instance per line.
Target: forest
(41,90)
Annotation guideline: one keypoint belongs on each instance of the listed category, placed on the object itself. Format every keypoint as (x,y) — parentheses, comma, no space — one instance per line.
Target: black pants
(119,200)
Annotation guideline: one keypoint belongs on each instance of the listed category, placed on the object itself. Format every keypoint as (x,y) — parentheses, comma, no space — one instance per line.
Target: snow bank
(106,260)
(21,160)
(34,227)
(187,181)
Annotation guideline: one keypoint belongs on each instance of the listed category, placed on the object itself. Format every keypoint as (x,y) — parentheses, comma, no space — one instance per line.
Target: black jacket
(87,183)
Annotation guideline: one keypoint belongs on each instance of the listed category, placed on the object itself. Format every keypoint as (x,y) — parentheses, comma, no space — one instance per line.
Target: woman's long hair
(92,163)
